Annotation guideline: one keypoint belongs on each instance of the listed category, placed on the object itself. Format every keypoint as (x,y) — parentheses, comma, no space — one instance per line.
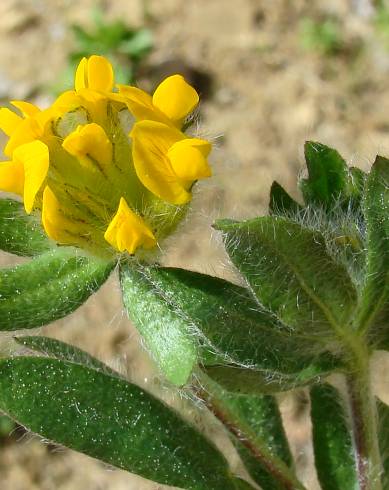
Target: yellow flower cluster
(105,165)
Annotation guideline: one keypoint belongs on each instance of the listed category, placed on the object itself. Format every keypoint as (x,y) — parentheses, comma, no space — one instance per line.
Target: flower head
(107,169)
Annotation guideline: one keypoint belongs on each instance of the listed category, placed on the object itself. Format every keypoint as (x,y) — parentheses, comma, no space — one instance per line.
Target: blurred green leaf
(323,36)
(48,287)
(292,275)
(20,233)
(332,442)
(375,292)
(111,420)
(125,46)
(139,45)
(183,314)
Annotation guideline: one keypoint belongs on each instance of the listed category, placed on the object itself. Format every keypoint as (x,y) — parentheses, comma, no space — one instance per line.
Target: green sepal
(328,176)
(291,273)
(186,317)
(281,203)
(375,292)
(21,233)
(110,419)
(48,287)
(255,420)
(332,441)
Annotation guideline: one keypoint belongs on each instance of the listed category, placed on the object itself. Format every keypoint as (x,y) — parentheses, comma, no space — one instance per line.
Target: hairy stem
(364,420)
(275,466)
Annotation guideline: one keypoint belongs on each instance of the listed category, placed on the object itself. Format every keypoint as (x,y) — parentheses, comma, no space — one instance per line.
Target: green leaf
(383,439)
(332,440)
(251,381)
(61,350)
(242,484)
(291,274)
(20,233)
(166,333)
(183,314)
(280,201)
(375,293)
(138,45)
(109,419)
(357,183)
(48,287)
(328,178)
(255,421)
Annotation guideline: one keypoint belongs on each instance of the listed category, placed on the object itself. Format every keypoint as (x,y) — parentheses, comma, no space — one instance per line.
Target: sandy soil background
(263,95)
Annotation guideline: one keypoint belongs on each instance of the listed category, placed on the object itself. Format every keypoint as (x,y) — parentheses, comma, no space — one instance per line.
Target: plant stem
(275,466)
(364,419)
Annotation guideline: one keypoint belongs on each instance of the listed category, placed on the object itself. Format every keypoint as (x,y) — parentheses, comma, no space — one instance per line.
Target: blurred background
(271,74)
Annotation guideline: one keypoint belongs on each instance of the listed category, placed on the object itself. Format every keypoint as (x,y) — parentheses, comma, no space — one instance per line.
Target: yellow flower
(167,162)
(94,73)
(171,103)
(108,171)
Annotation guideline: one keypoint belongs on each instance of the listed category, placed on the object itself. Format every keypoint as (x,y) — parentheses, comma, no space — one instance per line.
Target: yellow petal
(9,121)
(29,130)
(128,231)
(100,74)
(34,157)
(58,225)
(81,80)
(151,141)
(140,104)
(175,98)
(55,223)
(188,158)
(26,108)
(67,101)
(12,177)
(94,73)
(89,141)
(88,104)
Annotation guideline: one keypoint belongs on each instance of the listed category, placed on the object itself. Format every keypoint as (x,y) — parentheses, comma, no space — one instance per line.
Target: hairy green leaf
(332,440)
(328,175)
(289,270)
(48,287)
(258,434)
(61,350)
(251,381)
(241,484)
(166,333)
(111,420)
(180,312)
(280,201)
(375,293)
(20,233)
(357,181)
